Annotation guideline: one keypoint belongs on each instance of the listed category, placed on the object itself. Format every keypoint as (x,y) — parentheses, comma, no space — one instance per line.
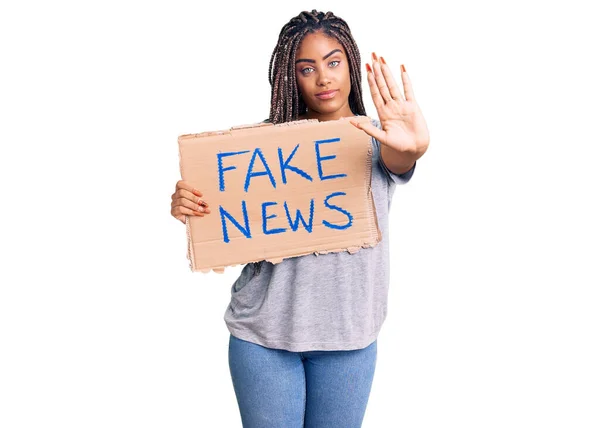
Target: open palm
(403,126)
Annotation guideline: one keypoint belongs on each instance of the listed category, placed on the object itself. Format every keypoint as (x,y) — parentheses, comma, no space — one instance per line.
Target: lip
(326,95)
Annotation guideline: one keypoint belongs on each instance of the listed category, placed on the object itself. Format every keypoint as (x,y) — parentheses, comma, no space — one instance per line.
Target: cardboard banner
(279,191)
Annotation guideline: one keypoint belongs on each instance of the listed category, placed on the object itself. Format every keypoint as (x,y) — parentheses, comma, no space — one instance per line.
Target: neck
(323,117)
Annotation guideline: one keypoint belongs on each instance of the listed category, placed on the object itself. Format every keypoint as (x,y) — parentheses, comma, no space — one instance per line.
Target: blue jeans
(316,389)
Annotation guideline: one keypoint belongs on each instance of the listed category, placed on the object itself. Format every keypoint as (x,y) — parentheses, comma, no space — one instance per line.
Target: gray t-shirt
(335,301)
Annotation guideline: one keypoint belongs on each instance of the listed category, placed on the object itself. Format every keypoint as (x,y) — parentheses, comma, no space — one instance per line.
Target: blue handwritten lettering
(336,208)
(250,174)
(245,231)
(294,224)
(286,165)
(220,157)
(265,218)
(320,159)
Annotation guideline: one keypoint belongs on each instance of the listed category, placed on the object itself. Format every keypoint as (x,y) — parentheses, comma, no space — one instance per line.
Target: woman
(303,346)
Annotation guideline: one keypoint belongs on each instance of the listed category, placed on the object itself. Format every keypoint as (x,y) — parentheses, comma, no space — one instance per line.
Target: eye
(306,70)
(336,63)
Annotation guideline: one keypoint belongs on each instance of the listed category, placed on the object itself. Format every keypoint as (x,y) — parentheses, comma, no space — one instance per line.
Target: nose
(324,78)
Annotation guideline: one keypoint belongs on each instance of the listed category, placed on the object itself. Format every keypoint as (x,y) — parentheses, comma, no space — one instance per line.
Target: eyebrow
(313,61)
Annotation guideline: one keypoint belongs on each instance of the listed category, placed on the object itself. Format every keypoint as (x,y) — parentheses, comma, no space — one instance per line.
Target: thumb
(369,129)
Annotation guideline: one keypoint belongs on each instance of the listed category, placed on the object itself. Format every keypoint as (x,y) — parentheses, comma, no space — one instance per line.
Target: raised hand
(403,126)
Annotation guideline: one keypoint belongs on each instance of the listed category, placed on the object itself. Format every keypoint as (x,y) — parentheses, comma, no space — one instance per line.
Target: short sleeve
(393,177)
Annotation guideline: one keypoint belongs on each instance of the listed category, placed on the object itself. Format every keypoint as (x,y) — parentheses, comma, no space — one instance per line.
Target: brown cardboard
(242,179)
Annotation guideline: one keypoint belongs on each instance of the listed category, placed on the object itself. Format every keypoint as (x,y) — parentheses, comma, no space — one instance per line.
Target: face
(323,76)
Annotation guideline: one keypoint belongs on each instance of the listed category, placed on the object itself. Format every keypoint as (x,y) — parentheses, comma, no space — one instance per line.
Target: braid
(286,103)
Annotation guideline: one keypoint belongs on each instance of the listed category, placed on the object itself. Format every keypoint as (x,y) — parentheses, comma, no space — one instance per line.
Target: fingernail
(402,67)
(200,209)
(368,68)
(382,60)
(374,56)
(198,214)
(197,193)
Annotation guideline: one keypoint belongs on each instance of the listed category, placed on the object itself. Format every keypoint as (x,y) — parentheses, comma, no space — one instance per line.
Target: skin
(323,66)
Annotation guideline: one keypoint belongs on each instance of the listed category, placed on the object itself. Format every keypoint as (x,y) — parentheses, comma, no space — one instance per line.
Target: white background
(493,305)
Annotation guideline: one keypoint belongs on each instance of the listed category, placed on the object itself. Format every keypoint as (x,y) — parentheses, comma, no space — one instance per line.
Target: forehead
(317,45)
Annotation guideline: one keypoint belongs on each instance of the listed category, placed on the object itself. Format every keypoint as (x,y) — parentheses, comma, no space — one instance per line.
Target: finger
(187,186)
(375,95)
(179,211)
(371,130)
(395,91)
(184,202)
(192,197)
(408,90)
(380,80)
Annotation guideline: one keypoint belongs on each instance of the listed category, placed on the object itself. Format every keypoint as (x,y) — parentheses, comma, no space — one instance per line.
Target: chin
(328,109)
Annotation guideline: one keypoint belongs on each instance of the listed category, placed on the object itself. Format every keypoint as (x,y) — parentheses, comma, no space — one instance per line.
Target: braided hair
(286,102)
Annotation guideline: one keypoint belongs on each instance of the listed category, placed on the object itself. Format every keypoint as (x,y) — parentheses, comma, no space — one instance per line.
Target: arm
(403,135)
(399,162)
